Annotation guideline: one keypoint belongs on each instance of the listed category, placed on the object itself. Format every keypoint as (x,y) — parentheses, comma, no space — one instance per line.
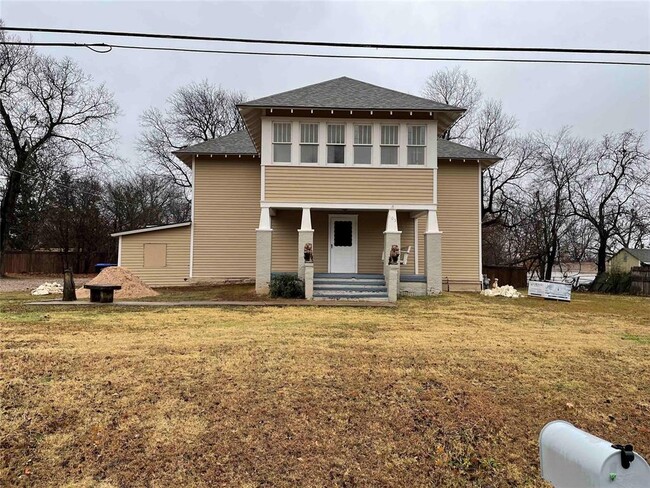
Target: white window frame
(310,143)
(355,144)
(382,145)
(423,146)
(343,125)
(281,143)
(267,152)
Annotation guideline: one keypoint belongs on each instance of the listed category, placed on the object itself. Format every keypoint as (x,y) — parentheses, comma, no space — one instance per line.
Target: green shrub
(612,283)
(286,286)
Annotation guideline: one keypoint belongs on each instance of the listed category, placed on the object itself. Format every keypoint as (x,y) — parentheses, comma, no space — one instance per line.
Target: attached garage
(160,256)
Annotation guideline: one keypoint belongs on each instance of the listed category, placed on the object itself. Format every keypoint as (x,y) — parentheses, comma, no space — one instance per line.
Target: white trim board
(350,206)
(151,229)
(192,218)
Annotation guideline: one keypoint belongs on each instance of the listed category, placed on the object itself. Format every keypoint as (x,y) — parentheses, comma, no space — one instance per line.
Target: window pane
(417,135)
(362,154)
(415,155)
(336,154)
(363,134)
(282,153)
(281,132)
(336,134)
(388,155)
(390,134)
(309,133)
(342,233)
(308,153)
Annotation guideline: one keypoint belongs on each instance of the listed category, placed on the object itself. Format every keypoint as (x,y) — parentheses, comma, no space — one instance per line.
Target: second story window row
(351,143)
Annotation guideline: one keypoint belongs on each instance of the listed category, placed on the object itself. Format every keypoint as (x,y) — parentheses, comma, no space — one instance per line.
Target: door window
(343,233)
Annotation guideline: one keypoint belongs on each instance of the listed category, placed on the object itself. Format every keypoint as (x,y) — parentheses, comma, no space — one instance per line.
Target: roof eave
(150,229)
(362,109)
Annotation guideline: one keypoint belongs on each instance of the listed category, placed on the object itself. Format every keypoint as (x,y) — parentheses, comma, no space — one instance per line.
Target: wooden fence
(52,262)
(516,276)
(640,284)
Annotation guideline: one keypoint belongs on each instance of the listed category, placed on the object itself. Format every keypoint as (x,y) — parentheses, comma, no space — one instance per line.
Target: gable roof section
(241,143)
(642,255)
(453,150)
(347,93)
(235,143)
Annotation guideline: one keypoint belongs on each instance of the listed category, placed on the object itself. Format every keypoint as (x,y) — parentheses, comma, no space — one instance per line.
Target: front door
(343,244)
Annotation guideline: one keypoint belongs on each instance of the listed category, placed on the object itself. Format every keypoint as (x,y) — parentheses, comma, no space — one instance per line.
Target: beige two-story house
(352,169)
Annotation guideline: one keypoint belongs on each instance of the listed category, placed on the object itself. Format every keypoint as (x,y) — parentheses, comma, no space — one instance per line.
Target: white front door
(343,244)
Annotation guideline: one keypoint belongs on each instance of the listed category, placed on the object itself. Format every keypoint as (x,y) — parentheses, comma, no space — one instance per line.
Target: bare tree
(560,156)
(493,133)
(45,102)
(455,87)
(194,113)
(602,191)
(633,230)
(138,199)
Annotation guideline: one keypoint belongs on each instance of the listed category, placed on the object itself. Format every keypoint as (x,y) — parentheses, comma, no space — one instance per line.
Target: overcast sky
(592,99)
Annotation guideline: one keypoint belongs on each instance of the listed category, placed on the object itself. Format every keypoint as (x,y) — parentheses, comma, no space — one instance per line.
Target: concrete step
(350,286)
(349,282)
(351,296)
(349,275)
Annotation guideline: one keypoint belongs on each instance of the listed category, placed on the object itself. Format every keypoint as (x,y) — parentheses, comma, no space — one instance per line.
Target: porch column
(392,237)
(263,253)
(305,236)
(433,254)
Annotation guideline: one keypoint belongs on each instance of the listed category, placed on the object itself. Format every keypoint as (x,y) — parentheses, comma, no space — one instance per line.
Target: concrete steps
(344,286)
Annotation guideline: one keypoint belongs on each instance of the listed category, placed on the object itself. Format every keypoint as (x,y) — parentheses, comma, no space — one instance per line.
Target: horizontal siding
(226,214)
(458,218)
(177,270)
(284,247)
(622,262)
(407,225)
(349,184)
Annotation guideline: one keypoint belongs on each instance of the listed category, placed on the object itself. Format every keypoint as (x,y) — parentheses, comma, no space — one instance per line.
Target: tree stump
(69,291)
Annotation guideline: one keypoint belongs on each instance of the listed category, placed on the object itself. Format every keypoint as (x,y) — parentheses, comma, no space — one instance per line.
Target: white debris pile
(502,291)
(48,289)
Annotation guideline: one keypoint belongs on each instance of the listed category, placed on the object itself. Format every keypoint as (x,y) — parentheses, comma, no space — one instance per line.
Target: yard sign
(550,289)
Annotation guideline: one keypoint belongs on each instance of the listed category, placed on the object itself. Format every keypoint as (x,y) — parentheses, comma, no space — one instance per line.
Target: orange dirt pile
(132,286)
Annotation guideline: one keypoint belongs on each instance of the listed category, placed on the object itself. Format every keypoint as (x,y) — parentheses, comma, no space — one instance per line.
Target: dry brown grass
(450,391)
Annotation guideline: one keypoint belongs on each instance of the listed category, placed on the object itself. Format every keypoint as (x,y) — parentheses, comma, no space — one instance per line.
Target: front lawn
(448,391)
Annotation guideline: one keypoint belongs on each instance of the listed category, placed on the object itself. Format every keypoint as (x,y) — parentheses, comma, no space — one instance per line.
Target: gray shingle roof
(240,143)
(235,143)
(452,150)
(347,93)
(642,255)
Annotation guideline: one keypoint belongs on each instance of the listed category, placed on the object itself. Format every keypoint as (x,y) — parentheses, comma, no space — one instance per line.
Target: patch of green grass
(641,339)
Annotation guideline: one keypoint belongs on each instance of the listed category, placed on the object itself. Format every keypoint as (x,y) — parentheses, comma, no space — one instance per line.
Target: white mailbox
(573,458)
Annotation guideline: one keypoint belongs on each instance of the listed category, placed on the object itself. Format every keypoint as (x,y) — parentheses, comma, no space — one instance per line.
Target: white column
(433,254)
(305,236)
(263,254)
(392,237)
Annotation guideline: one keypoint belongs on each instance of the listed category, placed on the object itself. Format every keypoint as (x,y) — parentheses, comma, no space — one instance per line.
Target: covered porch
(348,242)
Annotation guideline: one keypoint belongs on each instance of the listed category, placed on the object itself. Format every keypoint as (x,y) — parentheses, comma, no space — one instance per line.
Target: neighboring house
(351,167)
(627,258)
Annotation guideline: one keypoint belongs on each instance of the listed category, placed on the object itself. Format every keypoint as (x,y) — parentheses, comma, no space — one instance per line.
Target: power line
(328,43)
(104,48)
